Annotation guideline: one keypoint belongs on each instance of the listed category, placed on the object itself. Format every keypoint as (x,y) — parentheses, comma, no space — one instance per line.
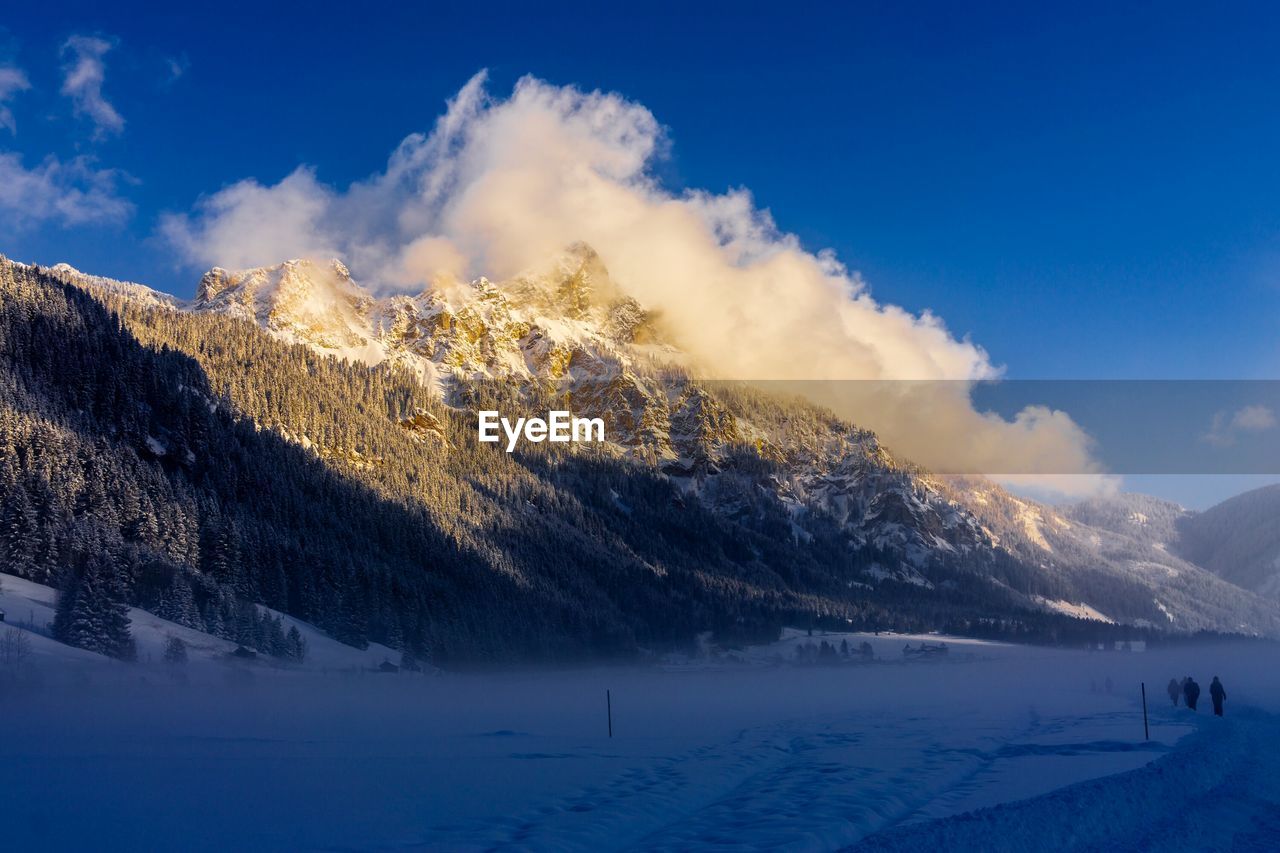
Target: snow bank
(1220,791)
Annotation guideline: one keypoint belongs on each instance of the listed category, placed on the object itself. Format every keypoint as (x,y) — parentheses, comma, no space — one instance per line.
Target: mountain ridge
(555,337)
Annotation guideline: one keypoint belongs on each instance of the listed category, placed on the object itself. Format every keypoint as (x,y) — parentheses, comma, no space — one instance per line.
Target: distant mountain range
(1238,540)
(289,438)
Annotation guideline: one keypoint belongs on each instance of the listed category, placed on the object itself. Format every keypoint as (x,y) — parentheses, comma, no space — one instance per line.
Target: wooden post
(1146,729)
(608,704)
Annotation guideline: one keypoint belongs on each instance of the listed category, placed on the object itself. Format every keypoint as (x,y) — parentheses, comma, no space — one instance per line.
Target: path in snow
(1220,790)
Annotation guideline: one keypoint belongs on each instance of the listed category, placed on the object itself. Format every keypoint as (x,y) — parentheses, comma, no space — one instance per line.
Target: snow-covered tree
(89,613)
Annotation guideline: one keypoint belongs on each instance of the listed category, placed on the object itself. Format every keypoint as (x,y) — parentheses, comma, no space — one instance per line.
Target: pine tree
(296,645)
(18,533)
(89,616)
(178,604)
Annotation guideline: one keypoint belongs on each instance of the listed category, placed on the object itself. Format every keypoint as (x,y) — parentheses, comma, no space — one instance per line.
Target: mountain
(569,330)
(565,335)
(1139,535)
(1148,520)
(1238,540)
(290,439)
(191,465)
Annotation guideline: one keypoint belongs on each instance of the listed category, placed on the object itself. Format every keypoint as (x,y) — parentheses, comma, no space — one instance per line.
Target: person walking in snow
(1175,690)
(1191,691)
(1218,694)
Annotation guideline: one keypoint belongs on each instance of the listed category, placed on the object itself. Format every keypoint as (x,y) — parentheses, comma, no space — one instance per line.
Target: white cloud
(83,74)
(500,185)
(65,193)
(176,68)
(1226,427)
(245,223)
(12,81)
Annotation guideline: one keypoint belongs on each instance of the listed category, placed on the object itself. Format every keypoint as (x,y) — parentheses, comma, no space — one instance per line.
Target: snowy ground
(994,747)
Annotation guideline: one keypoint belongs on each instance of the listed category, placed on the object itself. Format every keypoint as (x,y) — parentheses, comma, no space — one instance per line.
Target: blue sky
(1086,194)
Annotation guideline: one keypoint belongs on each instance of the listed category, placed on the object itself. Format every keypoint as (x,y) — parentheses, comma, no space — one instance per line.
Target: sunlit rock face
(310,302)
(425,426)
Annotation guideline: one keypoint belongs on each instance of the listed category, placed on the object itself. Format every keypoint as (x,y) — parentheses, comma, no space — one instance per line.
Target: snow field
(994,746)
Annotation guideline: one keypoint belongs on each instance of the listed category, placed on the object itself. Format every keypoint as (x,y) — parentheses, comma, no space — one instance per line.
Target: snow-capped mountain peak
(307,301)
(562,320)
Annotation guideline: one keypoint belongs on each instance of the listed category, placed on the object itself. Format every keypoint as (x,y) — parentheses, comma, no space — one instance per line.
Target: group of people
(1189,691)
